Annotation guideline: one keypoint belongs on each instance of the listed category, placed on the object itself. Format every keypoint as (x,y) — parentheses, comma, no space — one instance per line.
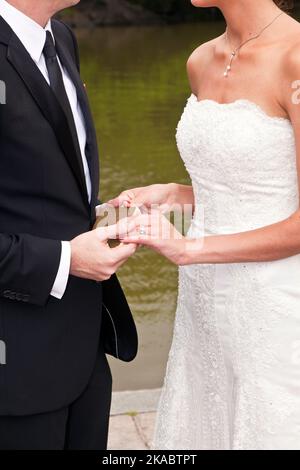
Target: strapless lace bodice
(241,162)
(233,376)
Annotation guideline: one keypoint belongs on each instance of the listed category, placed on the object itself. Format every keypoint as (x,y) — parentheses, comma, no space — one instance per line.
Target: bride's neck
(246,18)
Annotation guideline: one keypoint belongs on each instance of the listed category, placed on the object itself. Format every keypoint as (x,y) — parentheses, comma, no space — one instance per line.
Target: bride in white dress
(233,376)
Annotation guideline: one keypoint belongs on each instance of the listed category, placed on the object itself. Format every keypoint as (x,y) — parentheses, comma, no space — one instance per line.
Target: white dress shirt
(33,38)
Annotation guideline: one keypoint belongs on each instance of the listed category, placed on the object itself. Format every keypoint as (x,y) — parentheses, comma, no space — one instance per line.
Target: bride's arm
(183,195)
(270,243)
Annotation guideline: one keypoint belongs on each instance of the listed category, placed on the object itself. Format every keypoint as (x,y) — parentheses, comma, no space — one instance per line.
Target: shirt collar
(30,33)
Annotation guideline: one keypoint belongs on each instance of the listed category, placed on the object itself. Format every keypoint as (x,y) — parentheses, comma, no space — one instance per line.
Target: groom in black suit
(55,382)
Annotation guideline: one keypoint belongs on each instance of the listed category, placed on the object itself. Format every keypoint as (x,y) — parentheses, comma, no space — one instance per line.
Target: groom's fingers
(123,252)
(130,228)
(116,231)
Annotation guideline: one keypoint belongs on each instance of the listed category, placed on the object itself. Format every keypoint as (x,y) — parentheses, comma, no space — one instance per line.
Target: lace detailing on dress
(195,339)
(231,382)
(242,158)
(215,432)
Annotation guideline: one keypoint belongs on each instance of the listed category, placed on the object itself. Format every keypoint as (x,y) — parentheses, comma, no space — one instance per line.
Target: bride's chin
(203,3)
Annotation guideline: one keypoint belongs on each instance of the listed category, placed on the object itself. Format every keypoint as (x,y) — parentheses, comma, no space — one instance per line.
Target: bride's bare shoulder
(287,57)
(290,54)
(199,59)
(202,54)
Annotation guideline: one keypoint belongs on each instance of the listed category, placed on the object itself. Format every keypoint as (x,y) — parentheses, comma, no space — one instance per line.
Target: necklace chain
(235,51)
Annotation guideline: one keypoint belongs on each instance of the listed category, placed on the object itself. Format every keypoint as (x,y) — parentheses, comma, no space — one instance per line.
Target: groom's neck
(38,11)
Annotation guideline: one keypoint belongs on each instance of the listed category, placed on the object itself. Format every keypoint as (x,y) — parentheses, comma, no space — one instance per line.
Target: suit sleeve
(28,267)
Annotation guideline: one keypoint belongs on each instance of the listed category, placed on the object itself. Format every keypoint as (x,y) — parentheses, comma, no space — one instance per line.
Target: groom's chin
(71,3)
(63,4)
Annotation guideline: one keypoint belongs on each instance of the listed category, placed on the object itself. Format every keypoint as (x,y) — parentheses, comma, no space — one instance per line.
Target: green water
(136,80)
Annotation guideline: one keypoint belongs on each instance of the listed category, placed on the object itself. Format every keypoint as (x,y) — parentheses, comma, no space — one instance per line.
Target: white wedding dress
(233,376)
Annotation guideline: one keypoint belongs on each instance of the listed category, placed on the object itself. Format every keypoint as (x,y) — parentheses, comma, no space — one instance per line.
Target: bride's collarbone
(232,91)
(248,79)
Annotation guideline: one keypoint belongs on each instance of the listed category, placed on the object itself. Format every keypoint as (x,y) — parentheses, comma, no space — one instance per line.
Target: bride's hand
(160,195)
(155,231)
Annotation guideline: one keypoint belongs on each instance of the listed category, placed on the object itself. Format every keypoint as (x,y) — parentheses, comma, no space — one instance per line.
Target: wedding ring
(143,230)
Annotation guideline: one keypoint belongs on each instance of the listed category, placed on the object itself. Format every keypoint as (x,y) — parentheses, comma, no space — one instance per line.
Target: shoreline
(124,13)
(93,15)
(108,13)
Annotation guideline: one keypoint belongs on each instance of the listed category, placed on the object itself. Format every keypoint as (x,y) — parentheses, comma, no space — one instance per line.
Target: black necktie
(58,87)
(55,76)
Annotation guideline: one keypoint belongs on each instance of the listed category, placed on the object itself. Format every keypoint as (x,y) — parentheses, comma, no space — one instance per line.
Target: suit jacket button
(12,295)
(26,298)
(19,296)
(6,293)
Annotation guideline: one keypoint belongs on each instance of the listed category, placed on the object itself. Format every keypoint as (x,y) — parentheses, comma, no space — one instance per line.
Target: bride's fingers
(120,201)
(138,240)
(142,235)
(140,229)
(145,220)
(124,199)
(121,230)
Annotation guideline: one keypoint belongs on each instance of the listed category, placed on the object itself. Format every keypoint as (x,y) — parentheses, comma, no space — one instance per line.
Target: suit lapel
(48,104)
(92,149)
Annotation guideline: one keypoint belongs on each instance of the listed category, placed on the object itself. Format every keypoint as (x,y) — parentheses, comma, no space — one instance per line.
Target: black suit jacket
(51,344)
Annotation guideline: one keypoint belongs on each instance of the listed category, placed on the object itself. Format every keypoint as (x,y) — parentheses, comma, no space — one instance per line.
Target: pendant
(226,73)
(228,68)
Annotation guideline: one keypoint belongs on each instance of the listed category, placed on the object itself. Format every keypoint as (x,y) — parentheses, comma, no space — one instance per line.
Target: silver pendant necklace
(235,51)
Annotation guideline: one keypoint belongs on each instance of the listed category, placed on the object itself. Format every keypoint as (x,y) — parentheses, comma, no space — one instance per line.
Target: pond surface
(136,80)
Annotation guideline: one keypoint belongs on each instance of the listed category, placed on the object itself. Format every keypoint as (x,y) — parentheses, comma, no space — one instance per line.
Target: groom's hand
(92,257)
